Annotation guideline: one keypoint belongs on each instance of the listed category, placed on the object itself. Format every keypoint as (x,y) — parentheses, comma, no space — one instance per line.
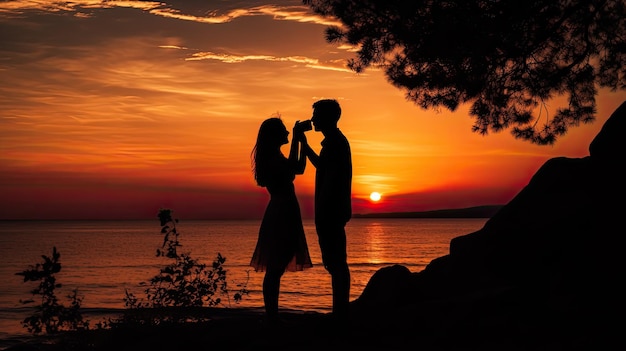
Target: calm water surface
(103,259)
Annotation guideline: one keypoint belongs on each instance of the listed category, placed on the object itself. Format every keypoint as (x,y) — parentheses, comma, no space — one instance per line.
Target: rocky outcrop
(554,249)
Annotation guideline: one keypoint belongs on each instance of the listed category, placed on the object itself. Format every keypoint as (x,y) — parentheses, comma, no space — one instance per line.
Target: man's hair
(329,108)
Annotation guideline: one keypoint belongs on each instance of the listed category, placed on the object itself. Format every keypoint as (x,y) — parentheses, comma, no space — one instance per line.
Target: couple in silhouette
(281,244)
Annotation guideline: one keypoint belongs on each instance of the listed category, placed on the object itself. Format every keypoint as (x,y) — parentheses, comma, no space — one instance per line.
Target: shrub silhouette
(185,282)
(51,316)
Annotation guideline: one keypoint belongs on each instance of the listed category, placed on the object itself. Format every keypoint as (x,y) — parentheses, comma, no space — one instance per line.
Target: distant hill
(469,212)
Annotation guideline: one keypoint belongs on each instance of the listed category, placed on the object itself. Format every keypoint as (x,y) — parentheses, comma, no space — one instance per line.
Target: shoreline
(433,325)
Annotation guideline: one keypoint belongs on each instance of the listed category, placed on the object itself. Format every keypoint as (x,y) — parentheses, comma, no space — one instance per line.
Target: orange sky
(114,111)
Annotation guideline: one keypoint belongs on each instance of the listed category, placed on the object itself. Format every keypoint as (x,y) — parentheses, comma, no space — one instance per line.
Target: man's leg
(341,291)
(334,254)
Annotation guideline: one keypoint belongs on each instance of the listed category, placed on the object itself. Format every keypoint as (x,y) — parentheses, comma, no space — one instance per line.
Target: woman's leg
(271,290)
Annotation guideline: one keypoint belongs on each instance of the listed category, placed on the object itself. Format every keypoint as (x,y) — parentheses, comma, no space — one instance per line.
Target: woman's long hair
(268,143)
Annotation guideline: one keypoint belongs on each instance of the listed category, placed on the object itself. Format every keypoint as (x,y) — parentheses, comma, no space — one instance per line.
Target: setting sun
(375,196)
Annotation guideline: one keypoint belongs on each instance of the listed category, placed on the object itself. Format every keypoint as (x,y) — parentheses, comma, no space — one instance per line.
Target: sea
(103,260)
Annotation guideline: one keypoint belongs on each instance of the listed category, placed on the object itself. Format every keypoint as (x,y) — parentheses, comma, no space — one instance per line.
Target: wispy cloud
(308,62)
(163,9)
(20,6)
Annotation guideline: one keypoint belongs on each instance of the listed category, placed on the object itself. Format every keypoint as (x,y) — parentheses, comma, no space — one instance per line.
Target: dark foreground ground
(245,329)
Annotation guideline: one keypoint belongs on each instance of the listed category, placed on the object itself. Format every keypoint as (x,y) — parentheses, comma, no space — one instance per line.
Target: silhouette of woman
(281,245)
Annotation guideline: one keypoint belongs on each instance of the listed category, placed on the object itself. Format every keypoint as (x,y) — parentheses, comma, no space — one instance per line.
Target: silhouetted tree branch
(506,58)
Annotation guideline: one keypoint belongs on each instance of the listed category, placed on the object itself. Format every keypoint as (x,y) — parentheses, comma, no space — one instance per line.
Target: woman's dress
(281,242)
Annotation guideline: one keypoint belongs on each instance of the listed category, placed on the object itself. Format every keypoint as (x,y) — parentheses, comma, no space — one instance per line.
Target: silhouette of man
(333,203)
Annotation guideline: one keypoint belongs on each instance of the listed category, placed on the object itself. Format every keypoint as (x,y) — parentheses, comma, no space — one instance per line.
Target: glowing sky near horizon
(114,109)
